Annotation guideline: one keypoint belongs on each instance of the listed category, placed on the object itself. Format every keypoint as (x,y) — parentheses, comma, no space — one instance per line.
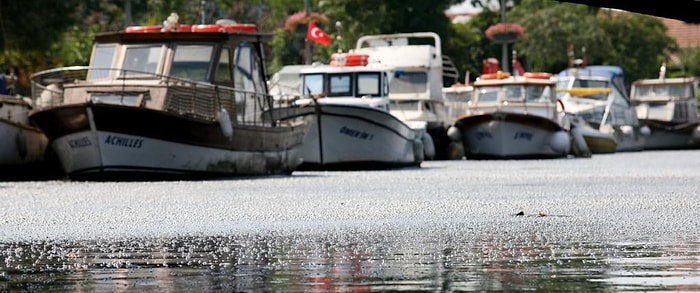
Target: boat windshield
(101,60)
(191,62)
(487,94)
(368,84)
(142,59)
(666,90)
(409,82)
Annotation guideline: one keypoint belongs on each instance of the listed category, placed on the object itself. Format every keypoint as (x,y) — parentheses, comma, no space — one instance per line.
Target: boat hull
(667,136)
(343,137)
(23,147)
(110,142)
(503,135)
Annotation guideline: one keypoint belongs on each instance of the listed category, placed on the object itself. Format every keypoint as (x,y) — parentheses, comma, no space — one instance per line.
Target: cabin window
(340,85)
(513,93)
(537,93)
(409,82)
(101,61)
(488,94)
(368,84)
(191,62)
(223,67)
(313,84)
(140,60)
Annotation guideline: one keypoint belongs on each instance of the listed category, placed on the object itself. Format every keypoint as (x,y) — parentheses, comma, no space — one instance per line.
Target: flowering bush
(503,28)
(298,18)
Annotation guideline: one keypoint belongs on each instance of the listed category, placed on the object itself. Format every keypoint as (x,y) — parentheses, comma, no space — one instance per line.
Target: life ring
(156,29)
(144,29)
(539,75)
(225,28)
(349,59)
(497,75)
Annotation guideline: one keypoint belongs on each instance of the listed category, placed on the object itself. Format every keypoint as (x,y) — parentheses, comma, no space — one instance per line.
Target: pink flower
(298,18)
(503,28)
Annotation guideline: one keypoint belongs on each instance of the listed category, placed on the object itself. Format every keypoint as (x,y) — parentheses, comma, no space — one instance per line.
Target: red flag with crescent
(317,35)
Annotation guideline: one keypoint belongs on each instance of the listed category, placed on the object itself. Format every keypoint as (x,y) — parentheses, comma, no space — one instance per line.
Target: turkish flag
(317,35)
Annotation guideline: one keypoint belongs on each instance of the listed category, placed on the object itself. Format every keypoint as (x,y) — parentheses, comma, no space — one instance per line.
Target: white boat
(596,99)
(180,102)
(346,106)
(669,107)
(514,118)
(23,146)
(416,92)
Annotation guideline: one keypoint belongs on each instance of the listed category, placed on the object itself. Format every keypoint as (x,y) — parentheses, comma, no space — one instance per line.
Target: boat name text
(522,135)
(356,133)
(79,142)
(124,141)
(483,134)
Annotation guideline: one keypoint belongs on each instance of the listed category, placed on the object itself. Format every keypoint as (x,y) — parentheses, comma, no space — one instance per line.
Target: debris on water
(521,213)
(540,215)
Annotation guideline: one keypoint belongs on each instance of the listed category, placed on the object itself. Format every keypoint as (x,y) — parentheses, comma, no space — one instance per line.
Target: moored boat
(346,107)
(416,91)
(596,99)
(23,146)
(166,102)
(514,117)
(668,106)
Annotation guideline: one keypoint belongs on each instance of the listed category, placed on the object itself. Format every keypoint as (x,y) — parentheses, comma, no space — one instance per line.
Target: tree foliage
(60,33)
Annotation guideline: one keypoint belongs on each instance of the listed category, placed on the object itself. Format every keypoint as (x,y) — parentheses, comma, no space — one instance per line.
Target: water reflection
(348,261)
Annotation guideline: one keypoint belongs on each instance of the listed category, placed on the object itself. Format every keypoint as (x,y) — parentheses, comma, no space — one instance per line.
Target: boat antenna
(338,37)
(202,11)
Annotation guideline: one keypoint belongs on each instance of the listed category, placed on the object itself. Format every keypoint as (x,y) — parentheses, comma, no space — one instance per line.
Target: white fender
(560,142)
(644,130)
(454,134)
(225,123)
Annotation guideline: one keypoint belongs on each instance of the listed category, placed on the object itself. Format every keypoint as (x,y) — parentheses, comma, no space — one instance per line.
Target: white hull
(663,139)
(512,136)
(86,153)
(356,137)
(163,150)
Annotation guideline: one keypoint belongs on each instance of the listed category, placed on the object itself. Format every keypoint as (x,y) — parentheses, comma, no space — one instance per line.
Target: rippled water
(622,222)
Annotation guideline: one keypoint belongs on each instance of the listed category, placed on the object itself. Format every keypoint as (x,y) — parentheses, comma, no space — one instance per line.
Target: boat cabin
(531,94)
(671,100)
(190,71)
(347,82)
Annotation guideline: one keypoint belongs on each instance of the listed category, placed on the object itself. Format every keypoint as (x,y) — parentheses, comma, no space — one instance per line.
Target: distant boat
(669,107)
(23,146)
(597,96)
(514,118)
(416,92)
(170,102)
(346,106)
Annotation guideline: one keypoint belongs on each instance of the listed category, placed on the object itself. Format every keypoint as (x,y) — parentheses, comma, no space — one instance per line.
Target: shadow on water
(350,261)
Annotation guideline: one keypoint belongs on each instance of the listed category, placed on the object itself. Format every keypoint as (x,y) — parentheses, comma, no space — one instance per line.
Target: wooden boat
(166,103)
(597,96)
(668,106)
(346,106)
(514,117)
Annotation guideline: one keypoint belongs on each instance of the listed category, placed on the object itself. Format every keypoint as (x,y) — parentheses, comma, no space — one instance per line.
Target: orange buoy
(349,59)
(540,75)
(225,28)
(144,29)
(157,29)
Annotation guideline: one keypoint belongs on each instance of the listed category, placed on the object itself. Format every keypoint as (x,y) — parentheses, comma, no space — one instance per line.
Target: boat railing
(188,97)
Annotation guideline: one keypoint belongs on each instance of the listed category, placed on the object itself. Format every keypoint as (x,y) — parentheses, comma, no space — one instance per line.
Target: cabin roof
(159,37)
